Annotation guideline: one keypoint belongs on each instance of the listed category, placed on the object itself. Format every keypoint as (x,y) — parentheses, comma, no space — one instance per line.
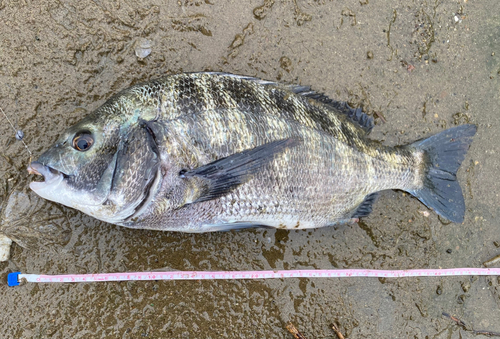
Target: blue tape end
(12,279)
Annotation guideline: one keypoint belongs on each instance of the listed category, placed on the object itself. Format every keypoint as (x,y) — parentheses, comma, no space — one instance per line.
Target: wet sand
(418,67)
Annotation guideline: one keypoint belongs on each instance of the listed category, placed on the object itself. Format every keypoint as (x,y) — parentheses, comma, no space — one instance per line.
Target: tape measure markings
(15,277)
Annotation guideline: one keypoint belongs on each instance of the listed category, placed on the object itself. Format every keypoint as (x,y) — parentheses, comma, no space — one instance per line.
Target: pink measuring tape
(14,278)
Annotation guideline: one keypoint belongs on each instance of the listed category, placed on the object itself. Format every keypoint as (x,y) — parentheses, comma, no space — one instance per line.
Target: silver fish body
(203,152)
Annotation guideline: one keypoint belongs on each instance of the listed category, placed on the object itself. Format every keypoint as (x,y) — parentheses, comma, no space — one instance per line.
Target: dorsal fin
(355,115)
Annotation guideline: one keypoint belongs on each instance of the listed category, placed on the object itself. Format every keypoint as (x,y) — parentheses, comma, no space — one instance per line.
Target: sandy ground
(421,65)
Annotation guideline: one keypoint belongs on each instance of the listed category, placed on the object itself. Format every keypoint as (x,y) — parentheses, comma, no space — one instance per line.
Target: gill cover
(137,174)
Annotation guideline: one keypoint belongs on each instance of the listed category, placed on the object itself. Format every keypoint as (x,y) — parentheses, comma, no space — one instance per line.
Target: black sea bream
(203,152)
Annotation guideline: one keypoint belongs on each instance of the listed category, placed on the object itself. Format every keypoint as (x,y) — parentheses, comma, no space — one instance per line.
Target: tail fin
(445,152)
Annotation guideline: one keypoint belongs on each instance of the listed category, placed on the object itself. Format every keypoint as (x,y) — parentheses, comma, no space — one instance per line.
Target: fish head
(78,168)
(103,166)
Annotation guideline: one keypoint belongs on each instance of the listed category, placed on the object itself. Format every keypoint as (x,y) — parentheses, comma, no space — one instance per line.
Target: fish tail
(443,153)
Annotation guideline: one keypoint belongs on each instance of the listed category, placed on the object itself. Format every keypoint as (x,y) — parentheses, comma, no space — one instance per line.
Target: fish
(210,151)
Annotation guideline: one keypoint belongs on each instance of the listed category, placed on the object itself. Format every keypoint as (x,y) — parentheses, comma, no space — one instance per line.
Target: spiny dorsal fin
(355,115)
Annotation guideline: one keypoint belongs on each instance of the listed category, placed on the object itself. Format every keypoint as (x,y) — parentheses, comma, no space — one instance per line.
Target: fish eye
(83,141)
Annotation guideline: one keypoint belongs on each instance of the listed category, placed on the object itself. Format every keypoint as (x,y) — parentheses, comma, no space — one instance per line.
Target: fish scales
(216,151)
(239,128)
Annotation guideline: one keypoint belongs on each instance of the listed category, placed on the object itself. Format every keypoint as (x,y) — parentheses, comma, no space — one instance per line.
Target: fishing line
(15,278)
(18,133)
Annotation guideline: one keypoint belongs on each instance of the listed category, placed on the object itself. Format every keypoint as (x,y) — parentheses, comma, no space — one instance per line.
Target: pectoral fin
(220,177)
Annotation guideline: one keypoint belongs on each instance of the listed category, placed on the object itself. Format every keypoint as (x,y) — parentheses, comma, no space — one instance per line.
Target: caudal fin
(445,152)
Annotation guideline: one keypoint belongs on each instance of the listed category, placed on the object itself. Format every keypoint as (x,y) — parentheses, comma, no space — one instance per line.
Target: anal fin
(365,208)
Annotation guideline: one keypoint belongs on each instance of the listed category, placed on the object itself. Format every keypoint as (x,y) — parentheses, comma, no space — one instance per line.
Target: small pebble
(448,251)
(5,243)
(425,213)
(143,48)
(465,286)
(19,135)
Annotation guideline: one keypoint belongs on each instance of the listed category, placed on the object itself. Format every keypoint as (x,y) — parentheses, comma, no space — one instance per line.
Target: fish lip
(51,176)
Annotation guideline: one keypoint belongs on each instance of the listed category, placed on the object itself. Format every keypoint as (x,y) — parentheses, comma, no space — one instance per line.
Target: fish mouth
(51,176)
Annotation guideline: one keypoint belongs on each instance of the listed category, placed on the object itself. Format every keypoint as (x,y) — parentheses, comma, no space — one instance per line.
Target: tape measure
(14,278)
